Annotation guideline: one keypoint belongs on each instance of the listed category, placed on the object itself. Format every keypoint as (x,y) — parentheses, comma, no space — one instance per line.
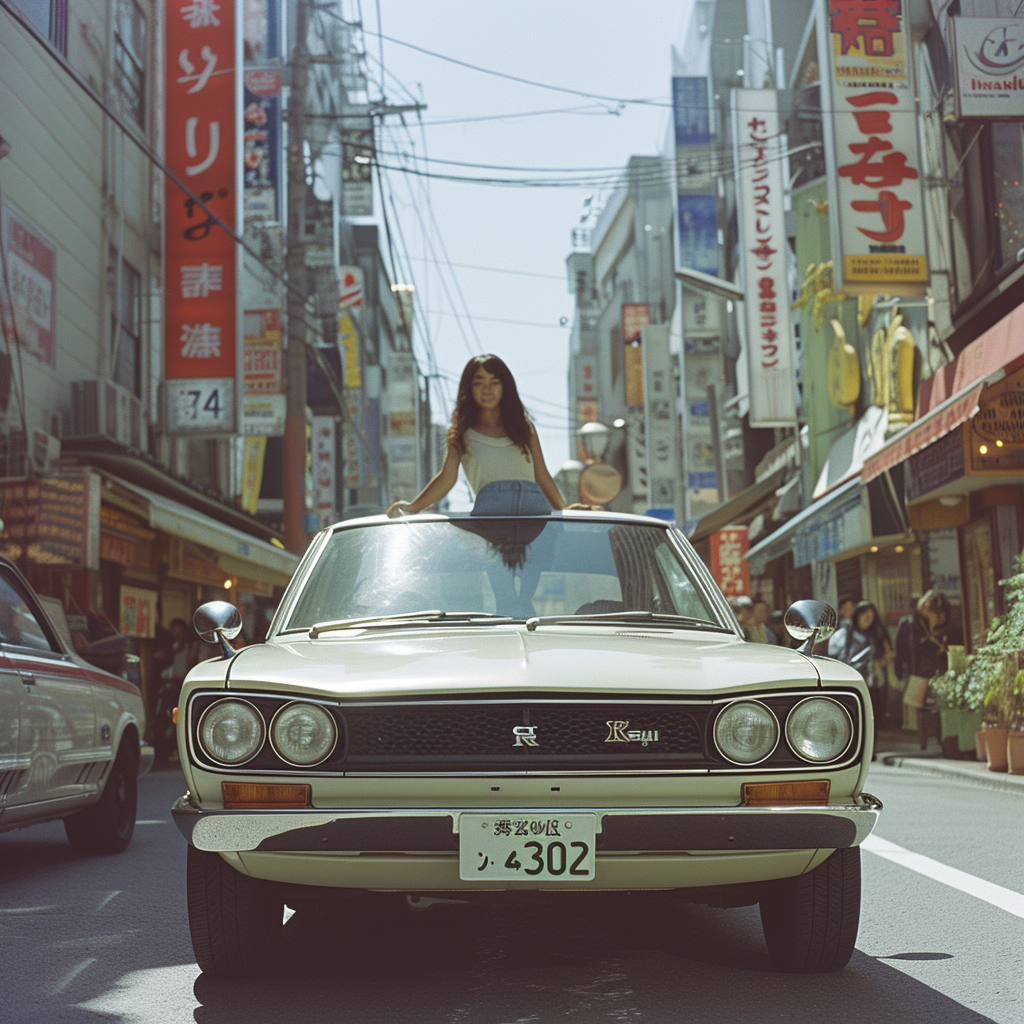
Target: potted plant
(960,713)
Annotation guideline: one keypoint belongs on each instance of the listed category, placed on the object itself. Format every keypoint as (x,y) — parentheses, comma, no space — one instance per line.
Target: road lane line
(72,974)
(106,899)
(1004,899)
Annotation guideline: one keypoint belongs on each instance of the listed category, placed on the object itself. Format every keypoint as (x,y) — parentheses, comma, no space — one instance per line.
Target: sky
(596,46)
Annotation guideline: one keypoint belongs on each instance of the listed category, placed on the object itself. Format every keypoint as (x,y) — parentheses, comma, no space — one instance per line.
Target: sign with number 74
(205,406)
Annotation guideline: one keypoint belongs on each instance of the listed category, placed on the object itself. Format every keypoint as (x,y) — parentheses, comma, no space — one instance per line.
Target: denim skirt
(511,498)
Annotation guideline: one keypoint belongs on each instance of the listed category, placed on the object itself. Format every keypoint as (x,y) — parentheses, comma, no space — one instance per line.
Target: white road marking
(25,910)
(151,821)
(106,899)
(1004,899)
(72,974)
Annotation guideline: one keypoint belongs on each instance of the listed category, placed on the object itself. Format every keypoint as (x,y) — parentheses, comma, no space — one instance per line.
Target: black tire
(810,922)
(235,921)
(108,825)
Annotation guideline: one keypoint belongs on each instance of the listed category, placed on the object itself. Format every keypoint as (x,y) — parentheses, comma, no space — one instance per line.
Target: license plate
(544,847)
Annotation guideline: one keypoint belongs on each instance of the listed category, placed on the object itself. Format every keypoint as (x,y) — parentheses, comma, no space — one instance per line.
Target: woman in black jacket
(863,643)
(925,644)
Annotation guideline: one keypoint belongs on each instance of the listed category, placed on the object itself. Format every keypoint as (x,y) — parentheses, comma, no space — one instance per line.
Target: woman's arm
(541,474)
(438,487)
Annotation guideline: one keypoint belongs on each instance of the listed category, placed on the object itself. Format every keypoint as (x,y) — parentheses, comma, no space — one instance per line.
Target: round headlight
(746,732)
(819,729)
(231,731)
(303,734)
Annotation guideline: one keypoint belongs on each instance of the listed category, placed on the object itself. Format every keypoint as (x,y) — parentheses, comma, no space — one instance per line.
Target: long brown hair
(514,418)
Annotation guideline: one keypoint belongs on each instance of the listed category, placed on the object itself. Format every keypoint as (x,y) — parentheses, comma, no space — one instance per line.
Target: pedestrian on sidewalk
(923,655)
(862,641)
(494,440)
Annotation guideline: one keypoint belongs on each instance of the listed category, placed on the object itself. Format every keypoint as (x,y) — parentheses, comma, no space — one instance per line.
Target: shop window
(130,57)
(50,17)
(979,580)
(126,327)
(1008,191)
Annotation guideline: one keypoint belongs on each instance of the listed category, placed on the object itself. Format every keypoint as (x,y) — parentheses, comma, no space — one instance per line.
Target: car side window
(19,626)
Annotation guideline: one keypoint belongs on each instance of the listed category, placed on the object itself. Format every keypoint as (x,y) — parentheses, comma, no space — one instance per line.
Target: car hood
(482,659)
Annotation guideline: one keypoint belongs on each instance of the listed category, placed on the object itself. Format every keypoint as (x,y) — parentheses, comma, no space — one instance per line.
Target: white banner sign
(762,226)
(875,199)
(989,56)
(324,469)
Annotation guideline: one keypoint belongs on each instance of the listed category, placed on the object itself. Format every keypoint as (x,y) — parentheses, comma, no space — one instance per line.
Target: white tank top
(493,458)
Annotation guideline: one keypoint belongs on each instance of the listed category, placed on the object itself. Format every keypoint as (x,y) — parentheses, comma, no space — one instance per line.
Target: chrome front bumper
(655,829)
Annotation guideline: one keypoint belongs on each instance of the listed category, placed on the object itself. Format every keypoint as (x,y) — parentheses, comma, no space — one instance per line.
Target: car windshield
(519,568)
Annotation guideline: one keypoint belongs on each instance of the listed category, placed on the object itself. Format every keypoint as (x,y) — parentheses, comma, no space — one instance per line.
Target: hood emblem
(620,732)
(526,736)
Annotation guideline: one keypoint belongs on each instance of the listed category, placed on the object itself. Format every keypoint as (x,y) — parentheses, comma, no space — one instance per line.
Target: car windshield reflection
(492,570)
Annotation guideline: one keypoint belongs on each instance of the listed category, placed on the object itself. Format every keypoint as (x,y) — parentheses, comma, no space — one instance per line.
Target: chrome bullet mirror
(218,622)
(810,621)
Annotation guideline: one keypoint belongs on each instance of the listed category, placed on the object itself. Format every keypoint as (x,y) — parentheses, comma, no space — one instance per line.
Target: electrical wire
(497,270)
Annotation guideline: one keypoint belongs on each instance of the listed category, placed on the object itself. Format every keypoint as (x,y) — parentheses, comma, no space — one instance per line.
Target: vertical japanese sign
(728,566)
(763,246)
(202,355)
(634,316)
(32,277)
(263,402)
(324,469)
(586,412)
(262,142)
(875,198)
(695,185)
(664,467)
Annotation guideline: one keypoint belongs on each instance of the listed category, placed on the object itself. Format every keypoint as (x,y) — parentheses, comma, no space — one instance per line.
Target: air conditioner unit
(102,410)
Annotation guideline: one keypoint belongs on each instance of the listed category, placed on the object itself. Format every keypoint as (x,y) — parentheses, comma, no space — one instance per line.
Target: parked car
(487,706)
(70,744)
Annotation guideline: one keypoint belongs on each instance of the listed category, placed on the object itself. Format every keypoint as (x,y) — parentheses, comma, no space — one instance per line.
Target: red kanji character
(867,23)
(891,208)
(873,122)
(763,251)
(891,170)
(872,99)
(755,124)
(769,335)
(767,286)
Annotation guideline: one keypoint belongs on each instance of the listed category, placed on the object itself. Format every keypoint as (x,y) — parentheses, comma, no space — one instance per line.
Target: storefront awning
(242,552)
(731,511)
(943,419)
(834,523)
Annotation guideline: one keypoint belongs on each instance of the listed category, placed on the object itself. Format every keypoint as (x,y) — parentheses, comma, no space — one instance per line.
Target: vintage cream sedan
(483,706)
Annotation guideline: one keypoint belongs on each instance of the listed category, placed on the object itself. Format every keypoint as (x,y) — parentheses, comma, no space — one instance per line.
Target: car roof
(560,516)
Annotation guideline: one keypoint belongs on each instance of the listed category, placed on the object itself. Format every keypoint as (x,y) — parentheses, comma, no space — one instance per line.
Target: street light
(594,439)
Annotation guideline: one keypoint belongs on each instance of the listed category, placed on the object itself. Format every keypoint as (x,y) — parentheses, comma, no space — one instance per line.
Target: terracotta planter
(979,744)
(1015,752)
(995,748)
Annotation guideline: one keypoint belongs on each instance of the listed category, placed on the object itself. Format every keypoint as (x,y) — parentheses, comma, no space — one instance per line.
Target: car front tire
(810,922)
(235,921)
(109,824)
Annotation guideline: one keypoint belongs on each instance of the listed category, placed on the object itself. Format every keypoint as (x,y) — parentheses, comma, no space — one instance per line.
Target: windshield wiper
(431,615)
(653,618)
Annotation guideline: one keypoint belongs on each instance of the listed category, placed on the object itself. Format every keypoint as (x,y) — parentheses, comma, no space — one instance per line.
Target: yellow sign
(253,454)
(348,340)
(634,368)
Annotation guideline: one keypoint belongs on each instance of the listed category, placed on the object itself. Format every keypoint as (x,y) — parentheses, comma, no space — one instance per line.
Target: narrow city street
(106,939)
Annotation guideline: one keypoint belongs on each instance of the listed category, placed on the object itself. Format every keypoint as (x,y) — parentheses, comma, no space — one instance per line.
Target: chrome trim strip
(240,831)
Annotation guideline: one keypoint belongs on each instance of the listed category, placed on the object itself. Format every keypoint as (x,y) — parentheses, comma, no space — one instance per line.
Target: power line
(495,320)
(591,110)
(495,270)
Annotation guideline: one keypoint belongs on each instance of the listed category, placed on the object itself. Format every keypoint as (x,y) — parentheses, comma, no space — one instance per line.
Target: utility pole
(294,483)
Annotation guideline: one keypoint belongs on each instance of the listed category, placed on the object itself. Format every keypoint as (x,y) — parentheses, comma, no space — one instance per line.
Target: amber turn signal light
(785,794)
(174,715)
(264,796)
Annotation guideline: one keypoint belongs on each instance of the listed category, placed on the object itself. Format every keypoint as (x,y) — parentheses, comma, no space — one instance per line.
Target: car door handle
(28,678)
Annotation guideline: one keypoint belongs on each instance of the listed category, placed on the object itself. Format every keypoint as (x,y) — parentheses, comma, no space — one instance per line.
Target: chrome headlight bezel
(308,705)
(205,746)
(725,710)
(851,727)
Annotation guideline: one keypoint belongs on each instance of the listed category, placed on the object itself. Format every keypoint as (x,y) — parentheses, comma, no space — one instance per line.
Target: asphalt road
(106,939)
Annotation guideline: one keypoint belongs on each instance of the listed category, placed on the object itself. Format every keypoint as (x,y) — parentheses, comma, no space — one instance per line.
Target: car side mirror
(218,622)
(810,621)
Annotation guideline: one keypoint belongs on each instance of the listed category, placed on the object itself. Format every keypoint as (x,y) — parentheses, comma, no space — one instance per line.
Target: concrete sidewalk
(900,749)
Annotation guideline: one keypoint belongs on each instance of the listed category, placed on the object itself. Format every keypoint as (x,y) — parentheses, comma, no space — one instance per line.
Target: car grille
(523,735)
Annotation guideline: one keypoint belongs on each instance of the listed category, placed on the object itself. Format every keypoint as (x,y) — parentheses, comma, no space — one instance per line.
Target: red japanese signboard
(728,566)
(202,118)
(875,198)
